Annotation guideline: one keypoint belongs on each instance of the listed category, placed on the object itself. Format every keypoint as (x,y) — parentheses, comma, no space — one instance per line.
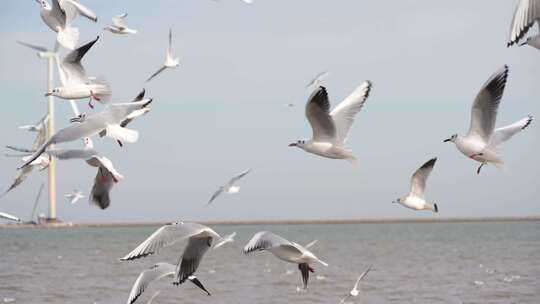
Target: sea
(461,262)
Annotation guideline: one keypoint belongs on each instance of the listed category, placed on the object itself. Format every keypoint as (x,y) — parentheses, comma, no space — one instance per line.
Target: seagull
(415,199)
(119,26)
(74,196)
(131,116)
(56,19)
(226,239)
(170,62)
(317,80)
(229,187)
(9,217)
(482,140)
(199,238)
(108,119)
(526,14)
(154,273)
(285,250)
(39,162)
(78,85)
(330,129)
(354,292)
(38,126)
(106,176)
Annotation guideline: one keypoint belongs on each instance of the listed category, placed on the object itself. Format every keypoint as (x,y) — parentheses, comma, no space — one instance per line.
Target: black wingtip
(436,208)
(528,122)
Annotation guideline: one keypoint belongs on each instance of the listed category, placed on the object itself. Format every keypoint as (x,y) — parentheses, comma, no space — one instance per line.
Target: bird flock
(330,131)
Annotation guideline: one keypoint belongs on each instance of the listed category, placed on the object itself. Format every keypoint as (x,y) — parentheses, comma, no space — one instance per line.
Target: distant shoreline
(292,222)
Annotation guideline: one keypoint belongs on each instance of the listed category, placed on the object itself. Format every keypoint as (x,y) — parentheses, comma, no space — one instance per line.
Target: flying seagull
(108,119)
(482,140)
(284,250)
(527,13)
(199,239)
(415,199)
(78,84)
(170,61)
(229,187)
(354,292)
(119,26)
(154,273)
(330,129)
(9,217)
(74,196)
(226,239)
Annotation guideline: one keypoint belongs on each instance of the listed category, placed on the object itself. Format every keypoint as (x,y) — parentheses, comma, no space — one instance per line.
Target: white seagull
(229,187)
(284,250)
(354,292)
(119,25)
(226,239)
(106,176)
(154,273)
(415,199)
(527,13)
(199,239)
(78,84)
(330,129)
(108,119)
(170,61)
(74,196)
(9,217)
(317,80)
(482,140)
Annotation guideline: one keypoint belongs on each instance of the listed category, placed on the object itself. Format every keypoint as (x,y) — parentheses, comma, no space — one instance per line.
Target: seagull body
(284,250)
(482,140)
(156,272)
(78,85)
(119,26)
(108,119)
(74,196)
(199,239)
(527,13)
(415,199)
(226,239)
(170,61)
(355,292)
(330,129)
(229,187)
(9,217)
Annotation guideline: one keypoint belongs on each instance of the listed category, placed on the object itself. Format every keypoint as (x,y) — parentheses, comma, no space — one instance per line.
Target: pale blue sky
(222,110)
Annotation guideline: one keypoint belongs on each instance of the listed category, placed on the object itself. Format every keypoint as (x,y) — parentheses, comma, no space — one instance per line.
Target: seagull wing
(344,113)
(191,258)
(238,177)
(215,195)
(119,22)
(65,154)
(311,244)
(21,177)
(527,12)
(317,79)
(80,9)
(265,240)
(317,113)
(226,239)
(9,217)
(156,73)
(418,179)
(100,193)
(71,64)
(148,276)
(486,105)
(153,297)
(33,46)
(165,236)
(169,48)
(361,277)
(58,13)
(503,134)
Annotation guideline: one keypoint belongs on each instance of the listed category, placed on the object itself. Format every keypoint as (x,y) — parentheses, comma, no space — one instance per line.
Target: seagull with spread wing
(527,13)
(170,61)
(415,199)
(355,292)
(331,128)
(482,140)
(284,250)
(229,187)
(119,26)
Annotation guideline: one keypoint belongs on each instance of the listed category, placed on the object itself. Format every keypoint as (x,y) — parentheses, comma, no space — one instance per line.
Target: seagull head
(44,4)
(452,138)
(299,143)
(80,118)
(396,201)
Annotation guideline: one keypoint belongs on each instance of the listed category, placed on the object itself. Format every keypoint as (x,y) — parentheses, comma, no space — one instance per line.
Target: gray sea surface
(484,262)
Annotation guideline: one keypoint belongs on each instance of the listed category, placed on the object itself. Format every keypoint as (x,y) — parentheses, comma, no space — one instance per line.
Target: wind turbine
(52,59)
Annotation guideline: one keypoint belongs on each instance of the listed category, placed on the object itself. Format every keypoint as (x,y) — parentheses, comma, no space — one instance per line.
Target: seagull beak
(48,94)
(293,145)
(447,140)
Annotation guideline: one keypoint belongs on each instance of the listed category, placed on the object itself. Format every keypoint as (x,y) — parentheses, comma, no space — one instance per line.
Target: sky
(223,110)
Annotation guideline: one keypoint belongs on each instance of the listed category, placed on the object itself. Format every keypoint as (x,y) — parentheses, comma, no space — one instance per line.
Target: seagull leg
(90,103)
(120,143)
(479,168)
